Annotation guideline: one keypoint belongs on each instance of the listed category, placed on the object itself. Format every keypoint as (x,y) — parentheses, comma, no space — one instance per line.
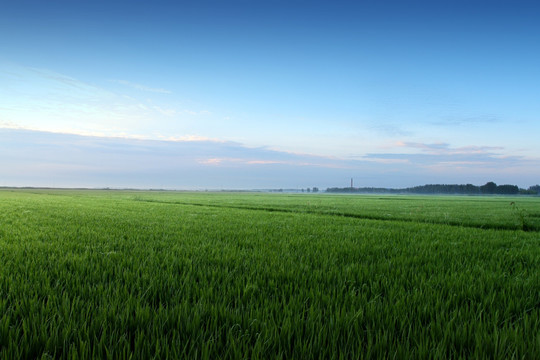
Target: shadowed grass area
(496,212)
(104,274)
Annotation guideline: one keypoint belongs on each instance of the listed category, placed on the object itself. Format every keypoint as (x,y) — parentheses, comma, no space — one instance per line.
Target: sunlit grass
(195,275)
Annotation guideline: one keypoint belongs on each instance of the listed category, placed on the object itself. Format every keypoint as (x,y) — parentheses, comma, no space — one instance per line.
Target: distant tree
(308,190)
(507,189)
(315,189)
(489,188)
(535,188)
(471,189)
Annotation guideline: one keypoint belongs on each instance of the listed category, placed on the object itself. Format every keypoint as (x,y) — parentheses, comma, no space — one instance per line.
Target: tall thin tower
(352,183)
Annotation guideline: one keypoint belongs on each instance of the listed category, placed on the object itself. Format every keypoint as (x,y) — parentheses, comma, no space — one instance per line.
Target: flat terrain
(119,274)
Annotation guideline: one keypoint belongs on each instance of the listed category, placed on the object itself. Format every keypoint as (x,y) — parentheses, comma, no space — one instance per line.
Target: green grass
(110,274)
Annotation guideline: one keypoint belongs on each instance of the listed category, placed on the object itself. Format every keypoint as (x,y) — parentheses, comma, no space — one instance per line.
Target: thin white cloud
(467,120)
(191,138)
(212,161)
(196,113)
(264,162)
(113,134)
(44,100)
(462,163)
(390,130)
(196,162)
(64,79)
(445,148)
(387,161)
(9,125)
(165,112)
(277,159)
(142,87)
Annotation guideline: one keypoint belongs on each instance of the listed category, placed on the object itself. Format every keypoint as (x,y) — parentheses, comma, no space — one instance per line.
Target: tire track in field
(532,228)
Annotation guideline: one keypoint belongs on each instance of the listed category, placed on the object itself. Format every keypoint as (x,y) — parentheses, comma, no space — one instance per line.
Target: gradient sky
(269,94)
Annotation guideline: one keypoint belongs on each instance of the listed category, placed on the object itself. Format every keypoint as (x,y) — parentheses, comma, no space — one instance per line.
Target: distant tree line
(489,188)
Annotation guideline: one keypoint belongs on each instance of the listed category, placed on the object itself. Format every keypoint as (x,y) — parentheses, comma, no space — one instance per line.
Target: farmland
(132,274)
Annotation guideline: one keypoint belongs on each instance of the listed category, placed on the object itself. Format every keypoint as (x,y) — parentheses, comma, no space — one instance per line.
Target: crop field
(133,274)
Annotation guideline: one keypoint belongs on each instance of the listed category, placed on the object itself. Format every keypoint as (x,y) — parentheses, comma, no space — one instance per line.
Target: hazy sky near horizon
(252,94)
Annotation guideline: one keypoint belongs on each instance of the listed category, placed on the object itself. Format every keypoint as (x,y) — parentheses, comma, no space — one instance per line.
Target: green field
(118,274)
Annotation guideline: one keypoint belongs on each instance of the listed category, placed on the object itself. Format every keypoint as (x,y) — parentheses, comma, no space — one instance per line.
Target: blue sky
(257,94)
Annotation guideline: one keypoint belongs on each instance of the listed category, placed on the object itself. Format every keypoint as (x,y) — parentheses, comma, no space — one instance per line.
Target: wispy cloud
(141,87)
(445,148)
(434,147)
(196,113)
(390,129)
(441,162)
(165,112)
(264,162)
(191,138)
(212,161)
(467,120)
(40,99)
(9,125)
(244,161)
(374,158)
(64,79)
(190,162)
(473,160)
(39,158)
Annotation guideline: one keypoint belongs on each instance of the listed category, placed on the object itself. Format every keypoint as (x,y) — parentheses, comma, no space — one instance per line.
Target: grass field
(118,274)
